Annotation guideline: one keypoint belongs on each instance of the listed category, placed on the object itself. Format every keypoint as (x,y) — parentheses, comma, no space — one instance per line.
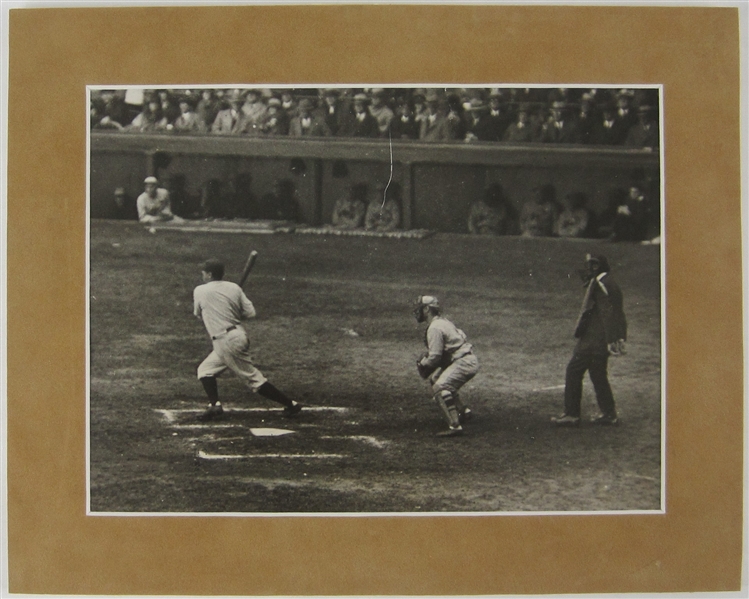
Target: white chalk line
(365,438)
(552,388)
(169,414)
(321,456)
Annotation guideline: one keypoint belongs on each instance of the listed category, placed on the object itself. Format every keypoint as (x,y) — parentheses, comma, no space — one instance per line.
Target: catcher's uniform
(223,306)
(450,356)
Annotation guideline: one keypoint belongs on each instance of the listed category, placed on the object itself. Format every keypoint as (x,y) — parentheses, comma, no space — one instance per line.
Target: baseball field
(335,331)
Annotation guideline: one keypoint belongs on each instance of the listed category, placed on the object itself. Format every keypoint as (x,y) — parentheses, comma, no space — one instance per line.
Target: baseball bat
(248,267)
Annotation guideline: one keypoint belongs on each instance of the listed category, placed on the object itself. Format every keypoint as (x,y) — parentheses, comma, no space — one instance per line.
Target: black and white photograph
(375,299)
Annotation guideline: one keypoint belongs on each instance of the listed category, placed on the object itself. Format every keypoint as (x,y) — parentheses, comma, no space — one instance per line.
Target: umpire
(601,331)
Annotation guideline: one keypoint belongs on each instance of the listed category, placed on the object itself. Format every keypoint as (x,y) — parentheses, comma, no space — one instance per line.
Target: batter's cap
(151,180)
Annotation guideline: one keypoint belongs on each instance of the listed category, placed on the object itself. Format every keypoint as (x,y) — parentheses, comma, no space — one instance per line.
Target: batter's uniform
(223,307)
(456,364)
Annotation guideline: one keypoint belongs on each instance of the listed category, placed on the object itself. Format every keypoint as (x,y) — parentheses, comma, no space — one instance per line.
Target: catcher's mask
(425,301)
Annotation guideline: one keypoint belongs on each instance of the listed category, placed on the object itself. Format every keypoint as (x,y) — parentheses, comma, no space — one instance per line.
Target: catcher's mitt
(424,371)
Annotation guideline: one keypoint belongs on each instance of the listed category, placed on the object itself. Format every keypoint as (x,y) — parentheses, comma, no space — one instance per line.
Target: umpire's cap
(600,259)
(215,267)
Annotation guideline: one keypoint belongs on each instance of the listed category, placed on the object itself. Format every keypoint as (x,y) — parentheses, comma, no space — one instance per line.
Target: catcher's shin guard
(446,402)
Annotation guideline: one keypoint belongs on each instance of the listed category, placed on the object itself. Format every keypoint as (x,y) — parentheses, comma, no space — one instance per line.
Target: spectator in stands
(456,117)
(208,107)
(363,124)
(114,111)
(493,214)
(631,221)
(99,120)
(282,202)
(434,127)
(307,123)
(538,215)
(575,220)
(148,118)
(169,111)
(379,109)
(498,113)
(520,130)
(644,133)
(586,117)
(560,128)
(124,206)
(608,130)
(188,121)
(288,103)
(349,210)
(624,110)
(154,205)
(383,211)
(420,106)
(404,125)
(480,125)
(276,120)
(335,112)
(229,120)
(253,113)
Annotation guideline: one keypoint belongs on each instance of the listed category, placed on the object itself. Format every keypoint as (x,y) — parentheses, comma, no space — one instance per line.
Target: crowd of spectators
(624,117)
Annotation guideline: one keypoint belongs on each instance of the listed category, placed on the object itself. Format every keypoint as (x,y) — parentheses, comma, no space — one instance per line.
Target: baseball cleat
(604,420)
(453,431)
(292,410)
(566,420)
(211,413)
(465,415)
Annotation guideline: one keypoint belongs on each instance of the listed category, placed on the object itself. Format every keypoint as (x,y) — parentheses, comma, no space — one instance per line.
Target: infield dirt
(335,330)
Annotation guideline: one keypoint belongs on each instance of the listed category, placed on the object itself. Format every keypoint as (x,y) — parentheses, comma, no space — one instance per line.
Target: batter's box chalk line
(374,441)
(304,456)
(171,414)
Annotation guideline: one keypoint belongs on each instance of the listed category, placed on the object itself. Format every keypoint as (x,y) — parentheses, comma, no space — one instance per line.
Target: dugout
(438,181)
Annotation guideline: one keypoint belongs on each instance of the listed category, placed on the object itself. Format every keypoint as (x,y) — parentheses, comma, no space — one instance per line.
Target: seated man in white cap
(154,205)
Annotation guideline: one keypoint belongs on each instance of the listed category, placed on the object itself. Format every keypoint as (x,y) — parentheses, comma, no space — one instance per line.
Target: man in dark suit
(363,124)
(480,126)
(434,126)
(644,133)
(608,129)
(335,112)
(560,128)
(601,331)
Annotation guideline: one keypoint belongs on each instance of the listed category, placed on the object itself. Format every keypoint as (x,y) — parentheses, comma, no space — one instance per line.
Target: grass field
(335,330)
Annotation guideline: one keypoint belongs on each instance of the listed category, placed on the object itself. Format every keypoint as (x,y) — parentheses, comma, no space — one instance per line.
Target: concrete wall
(439,181)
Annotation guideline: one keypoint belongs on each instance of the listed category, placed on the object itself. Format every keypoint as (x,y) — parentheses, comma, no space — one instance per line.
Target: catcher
(448,365)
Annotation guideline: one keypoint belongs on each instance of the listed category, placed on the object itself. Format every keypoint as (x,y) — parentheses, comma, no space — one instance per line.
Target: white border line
(598,86)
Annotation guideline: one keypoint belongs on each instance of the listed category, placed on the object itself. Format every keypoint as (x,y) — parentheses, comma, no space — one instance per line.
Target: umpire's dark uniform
(601,323)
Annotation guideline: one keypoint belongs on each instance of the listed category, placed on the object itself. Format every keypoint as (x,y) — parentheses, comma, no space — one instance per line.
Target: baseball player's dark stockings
(596,366)
(269,391)
(211,388)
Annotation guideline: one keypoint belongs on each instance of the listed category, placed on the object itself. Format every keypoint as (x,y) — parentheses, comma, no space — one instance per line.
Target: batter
(223,307)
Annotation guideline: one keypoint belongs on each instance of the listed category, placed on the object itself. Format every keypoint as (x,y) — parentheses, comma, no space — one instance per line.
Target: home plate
(270,432)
